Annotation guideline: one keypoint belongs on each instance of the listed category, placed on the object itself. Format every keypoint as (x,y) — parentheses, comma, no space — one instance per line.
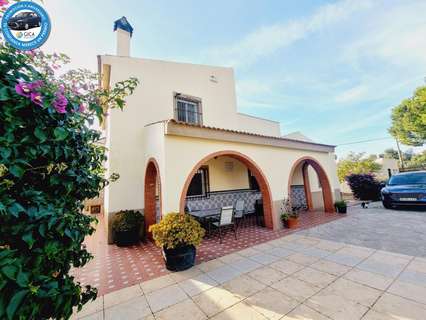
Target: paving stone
(370,279)
(184,310)
(286,266)
(396,307)
(136,308)
(267,275)
(194,286)
(303,312)
(243,286)
(315,277)
(165,297)
(271,303)
(215,300)
(295,288)
(239,311)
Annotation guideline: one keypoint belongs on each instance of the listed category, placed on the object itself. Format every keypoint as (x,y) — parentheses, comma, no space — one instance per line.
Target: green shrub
(177,229)
(51,161)
(127,220)
(340,204)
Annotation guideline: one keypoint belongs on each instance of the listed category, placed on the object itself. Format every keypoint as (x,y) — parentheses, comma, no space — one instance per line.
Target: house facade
(181,143)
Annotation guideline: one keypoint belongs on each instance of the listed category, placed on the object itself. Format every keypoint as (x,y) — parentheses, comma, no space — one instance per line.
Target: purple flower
(36,84)
(37,98)
(60,103)
(23,89)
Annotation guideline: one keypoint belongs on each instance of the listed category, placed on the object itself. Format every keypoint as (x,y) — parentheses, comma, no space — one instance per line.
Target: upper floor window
(188,109)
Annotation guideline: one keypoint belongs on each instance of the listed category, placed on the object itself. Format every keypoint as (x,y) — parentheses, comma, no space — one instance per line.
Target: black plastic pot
(126,238)
(342,209)
(180,258)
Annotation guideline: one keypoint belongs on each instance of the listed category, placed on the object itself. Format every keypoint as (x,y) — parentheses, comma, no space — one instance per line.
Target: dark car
(405,189)
(24,21)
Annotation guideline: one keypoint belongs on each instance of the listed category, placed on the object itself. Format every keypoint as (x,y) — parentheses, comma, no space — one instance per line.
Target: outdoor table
(205,215)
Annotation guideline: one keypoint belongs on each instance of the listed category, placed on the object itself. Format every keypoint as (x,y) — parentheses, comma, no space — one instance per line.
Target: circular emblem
(25,25)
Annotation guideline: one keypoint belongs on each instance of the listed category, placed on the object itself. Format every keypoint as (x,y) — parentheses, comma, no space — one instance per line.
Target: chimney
(124,33)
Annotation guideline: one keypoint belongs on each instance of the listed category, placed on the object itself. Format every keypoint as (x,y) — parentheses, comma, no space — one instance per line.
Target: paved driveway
(400,231)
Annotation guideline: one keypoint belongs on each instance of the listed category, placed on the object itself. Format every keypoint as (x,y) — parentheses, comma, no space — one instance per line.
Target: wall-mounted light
(213,78)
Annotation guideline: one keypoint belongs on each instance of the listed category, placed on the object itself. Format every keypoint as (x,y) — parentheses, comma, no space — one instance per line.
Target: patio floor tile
(239,311)
(295,288)
(344,259)
(303,312)
(353,291)
(122,295)
(165,297)
(215,300)
(286,266)
(158,283)
(409,291)
(197,285)
(210,265)
(223,274)
(315,277)
(279,252)
(264,258)
(395,307)
(245,265)
(186,274)
(267,275)
(336,307)
(384,269)
(133,309)
(329,245)
(330,267)
(184,310)
(90,308)
(243,286)
(302,259)
(370,279)
(271,303)
(414,277)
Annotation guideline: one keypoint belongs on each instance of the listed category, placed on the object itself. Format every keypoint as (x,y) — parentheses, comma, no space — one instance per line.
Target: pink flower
(36,84)
(4,3)
(81,108)
(23,89)
(60,102)
(37,98)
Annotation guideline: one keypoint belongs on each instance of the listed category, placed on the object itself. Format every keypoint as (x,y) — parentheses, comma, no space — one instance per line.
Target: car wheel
(26,26)
(387,204)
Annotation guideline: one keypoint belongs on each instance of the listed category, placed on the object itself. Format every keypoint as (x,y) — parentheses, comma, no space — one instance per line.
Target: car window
(413,178)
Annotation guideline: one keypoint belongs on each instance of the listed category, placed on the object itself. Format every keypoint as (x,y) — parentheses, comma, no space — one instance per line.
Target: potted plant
(178,235)
(341,206)
(126,226)
(289,217)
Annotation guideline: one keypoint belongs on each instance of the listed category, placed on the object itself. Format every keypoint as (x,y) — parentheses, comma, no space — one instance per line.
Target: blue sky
(331,69)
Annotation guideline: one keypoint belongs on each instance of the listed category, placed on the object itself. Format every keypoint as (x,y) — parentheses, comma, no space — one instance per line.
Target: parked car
(405,189)
(24,21)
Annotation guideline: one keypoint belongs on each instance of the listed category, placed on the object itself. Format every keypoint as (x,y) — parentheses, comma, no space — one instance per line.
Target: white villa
(181,143)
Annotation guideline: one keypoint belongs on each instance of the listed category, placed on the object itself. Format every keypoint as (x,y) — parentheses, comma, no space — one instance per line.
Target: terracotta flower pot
(293,223)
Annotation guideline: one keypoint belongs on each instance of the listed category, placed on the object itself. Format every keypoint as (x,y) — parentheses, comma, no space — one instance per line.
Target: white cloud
(352,95)
(268,39)
(396,36)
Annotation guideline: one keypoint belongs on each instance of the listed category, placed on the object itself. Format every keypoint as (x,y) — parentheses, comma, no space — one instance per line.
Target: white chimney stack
(124,33)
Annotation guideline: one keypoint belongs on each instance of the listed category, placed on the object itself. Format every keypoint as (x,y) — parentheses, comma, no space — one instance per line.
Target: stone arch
(252,166)
(325,182)
(152,176)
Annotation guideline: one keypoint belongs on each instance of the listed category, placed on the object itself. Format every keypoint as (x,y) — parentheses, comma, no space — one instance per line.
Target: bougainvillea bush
(51,159)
